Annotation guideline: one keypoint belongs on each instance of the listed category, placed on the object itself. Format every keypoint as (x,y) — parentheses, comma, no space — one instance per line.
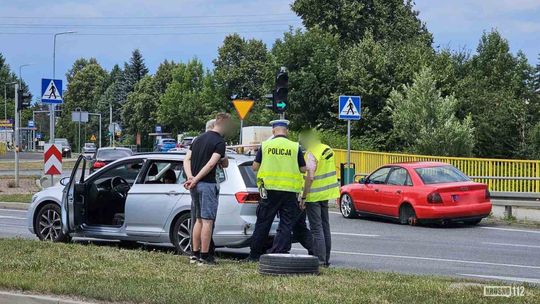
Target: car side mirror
(363,180)
(64,181)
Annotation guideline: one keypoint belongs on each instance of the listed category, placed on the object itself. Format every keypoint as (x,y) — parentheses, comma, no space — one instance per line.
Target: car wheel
(288,264)
(407,215)
(346,206)
(472,222)
(181,234)
(48,224)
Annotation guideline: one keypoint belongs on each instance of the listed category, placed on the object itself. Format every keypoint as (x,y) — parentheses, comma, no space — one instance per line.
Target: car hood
(51,192)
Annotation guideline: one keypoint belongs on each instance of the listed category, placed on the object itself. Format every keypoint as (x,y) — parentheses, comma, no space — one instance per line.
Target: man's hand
(190,183)
(302,204)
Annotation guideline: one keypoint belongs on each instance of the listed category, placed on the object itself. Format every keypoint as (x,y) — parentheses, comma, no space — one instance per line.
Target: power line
(144,17)
(147,34)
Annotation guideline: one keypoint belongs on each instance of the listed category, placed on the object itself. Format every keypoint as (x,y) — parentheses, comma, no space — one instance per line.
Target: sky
(179,30)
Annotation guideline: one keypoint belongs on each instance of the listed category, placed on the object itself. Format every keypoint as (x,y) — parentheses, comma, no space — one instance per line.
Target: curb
(22,298)
(16,206)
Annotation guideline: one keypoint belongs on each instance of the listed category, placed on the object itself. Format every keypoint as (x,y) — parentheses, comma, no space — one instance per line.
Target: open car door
(73,199)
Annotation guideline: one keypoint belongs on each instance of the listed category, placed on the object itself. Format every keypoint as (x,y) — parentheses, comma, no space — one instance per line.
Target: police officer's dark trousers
(286,203)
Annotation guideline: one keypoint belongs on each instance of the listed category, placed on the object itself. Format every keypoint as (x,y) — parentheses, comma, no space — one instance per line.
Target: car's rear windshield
(248,175)
(441,174)
(112,154)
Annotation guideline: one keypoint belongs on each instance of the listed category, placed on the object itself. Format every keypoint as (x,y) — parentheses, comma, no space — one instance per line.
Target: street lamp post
(52,106)
(17,125)
(5,97)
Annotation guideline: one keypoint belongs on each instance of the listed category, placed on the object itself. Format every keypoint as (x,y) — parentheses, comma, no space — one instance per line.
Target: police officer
(321,186)
(280,166)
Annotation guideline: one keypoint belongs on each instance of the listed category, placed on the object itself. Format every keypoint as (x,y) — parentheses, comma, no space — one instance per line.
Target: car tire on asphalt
(48,224)
(346,207)
(407,215)
(180,234)
(288,264)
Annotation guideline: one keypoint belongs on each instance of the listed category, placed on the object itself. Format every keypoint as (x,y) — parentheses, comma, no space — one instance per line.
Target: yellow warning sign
(242,107)
(93,138)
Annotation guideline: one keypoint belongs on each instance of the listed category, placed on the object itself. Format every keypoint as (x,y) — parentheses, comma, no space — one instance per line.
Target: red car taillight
(434,198)
(248,197)
(98,165)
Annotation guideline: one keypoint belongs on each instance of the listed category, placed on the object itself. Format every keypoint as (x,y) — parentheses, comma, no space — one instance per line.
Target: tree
(136,69)
(189,99)
(388,20)
(426,122)
(84,91)
(242,68)
(310,58)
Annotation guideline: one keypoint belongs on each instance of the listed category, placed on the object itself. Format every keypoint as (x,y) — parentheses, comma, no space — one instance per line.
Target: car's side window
(399,177)
(165,172)
(128,171)
(379,177)
(220,175)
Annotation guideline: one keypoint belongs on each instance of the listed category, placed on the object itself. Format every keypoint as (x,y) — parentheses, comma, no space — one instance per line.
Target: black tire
(407,215)
(48,224)
(346,207)
(472,222)
(181,234)
(288,264)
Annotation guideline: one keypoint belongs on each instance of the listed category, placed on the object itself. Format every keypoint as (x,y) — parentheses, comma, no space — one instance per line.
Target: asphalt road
(482,252)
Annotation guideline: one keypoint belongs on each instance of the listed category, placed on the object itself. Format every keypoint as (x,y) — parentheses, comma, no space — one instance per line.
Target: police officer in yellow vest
(280,166)
(321,186)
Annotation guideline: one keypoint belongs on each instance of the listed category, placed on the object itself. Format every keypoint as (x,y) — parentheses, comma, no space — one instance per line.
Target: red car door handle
(376,190)
(398,192)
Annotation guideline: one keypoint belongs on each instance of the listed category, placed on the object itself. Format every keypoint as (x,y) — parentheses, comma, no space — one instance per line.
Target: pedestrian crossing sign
(349,107)
(51,91)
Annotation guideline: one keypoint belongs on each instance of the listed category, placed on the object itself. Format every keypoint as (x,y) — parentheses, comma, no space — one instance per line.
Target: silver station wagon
(141,198)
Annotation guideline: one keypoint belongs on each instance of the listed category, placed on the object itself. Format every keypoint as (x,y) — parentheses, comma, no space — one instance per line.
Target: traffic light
(281,91)
(24,100)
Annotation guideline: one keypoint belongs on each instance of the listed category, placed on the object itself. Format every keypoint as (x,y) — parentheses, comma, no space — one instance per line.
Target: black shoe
(193,259)
(209,261)
(251,259)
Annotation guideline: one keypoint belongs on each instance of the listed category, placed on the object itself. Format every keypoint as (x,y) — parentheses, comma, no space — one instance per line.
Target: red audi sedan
(417,192)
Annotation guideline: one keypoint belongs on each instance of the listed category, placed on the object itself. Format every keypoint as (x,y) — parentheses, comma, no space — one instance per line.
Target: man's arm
(301,162)
(224,162)
(257,162)
(187,165)
(311,166)
(207,168)
(256,166)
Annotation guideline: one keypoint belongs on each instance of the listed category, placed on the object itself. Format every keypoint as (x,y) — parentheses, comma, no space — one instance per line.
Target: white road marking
(12,217)
(410,257)
(512,230)
(515,279)
(355,234)
(334,212)
(13,210)
(511,245)
(8,225)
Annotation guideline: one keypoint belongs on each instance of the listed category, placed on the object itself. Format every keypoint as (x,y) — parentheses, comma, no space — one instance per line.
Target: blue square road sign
(349,107)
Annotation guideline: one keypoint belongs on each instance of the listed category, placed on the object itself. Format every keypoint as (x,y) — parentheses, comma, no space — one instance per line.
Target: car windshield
(441,174)
(90,145)
(186,142)
(63,142)
(248,175)
(112,154)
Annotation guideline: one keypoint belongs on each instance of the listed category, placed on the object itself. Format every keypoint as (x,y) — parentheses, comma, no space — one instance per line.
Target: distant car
(89,148)
(164,144)
(186,142)
(104,156)
(178,150)
(66,148)
(417,192)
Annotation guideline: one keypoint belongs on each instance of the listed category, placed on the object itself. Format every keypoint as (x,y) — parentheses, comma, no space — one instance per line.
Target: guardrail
(506,175)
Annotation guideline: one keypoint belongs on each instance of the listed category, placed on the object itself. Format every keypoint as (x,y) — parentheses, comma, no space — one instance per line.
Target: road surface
(482,252)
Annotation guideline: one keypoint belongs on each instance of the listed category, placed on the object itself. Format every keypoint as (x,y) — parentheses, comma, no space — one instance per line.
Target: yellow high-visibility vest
(279,168)
(325,185)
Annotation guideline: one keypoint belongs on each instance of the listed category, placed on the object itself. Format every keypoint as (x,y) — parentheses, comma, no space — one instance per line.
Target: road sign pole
(79,144)
(348,149)
(241,127)
(16,136)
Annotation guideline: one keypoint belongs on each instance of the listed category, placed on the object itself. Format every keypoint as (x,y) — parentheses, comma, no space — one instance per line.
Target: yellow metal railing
(3,148)
(496,173)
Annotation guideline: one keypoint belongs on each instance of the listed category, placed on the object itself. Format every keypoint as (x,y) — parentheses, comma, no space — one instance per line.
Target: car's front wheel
(181,234)
(346,206)
(48,224)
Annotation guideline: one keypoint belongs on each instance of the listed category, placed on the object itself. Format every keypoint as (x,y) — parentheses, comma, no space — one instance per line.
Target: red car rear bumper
(453,212)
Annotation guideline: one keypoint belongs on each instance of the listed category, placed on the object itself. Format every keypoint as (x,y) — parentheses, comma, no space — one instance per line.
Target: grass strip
(16,198)
(110,274)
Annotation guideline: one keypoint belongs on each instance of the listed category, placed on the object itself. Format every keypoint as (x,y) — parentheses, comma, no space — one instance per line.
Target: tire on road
(288,264)
(48,224)
(407,215)
(346,206)
(180,234)
(472,222)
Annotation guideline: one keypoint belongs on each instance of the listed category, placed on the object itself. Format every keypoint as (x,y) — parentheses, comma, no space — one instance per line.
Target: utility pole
(16,135)
(110,124)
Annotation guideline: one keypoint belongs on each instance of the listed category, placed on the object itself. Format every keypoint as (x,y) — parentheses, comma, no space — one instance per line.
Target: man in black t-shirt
(205,154)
